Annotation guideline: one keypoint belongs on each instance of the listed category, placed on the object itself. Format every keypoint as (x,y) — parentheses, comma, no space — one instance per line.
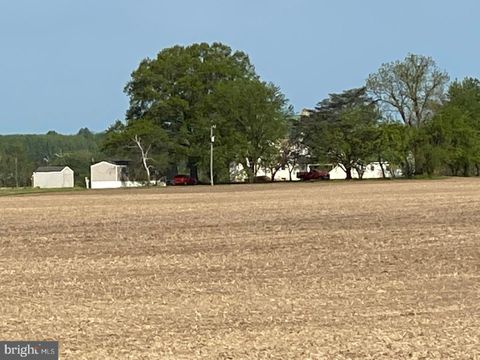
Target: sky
(64,63)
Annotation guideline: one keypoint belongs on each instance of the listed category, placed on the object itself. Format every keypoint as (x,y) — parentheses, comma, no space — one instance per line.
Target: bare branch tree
(144,155)
(409,89)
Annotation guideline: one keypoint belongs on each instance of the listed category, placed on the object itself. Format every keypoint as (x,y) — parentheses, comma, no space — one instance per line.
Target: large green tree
(454,133)
(251,118)
(174,89)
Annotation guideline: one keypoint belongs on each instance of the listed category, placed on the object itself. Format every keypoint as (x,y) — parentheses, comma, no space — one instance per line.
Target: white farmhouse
(50,177)
(372,171)
(238,173)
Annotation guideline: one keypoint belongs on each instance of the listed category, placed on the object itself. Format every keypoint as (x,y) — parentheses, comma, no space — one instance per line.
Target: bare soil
(327,270)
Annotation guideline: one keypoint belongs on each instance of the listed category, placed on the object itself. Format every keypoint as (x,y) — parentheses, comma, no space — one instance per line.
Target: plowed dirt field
(327,270)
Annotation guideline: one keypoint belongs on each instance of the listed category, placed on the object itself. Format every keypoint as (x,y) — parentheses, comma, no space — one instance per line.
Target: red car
(183,180)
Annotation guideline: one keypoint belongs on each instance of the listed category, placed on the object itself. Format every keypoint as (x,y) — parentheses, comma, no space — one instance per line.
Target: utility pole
(16,172)
(212,140)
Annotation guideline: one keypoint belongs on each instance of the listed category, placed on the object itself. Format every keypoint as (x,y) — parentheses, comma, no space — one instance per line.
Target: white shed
(111,175)
(107,175)
(49,177)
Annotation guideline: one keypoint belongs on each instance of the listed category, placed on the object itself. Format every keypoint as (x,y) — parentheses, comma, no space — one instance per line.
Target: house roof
(50,168)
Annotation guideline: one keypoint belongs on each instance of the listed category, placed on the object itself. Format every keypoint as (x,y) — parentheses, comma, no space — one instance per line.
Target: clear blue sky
(64,63)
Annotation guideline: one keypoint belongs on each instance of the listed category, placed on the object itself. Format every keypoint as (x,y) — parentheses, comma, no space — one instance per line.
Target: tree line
(407,116)
(20,155)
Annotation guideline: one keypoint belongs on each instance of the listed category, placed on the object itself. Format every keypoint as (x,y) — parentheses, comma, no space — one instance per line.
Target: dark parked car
(314,174)
(183,180)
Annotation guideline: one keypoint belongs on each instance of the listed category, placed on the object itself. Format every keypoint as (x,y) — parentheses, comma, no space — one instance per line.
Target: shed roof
(113,162)
(120,162)
(50,168)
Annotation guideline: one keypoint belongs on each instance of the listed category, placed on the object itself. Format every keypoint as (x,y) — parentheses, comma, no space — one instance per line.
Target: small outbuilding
(50,177)
(111,175)
(108,174)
